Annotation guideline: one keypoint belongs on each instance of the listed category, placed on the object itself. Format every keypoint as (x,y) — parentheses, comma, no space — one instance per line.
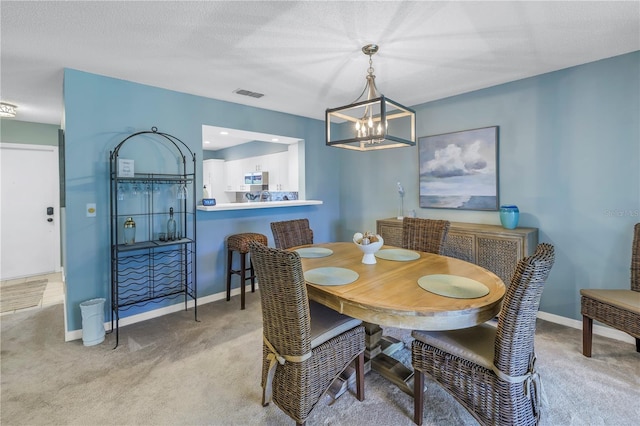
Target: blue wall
(569,156)
(101,111)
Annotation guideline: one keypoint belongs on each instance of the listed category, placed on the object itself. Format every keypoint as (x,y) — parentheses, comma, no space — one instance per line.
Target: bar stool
(240,243)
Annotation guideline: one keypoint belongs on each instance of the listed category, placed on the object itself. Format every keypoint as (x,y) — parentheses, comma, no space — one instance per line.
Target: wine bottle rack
(151,276)
(152,269)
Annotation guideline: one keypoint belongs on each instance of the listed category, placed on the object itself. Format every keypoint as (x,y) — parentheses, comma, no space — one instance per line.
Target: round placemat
(453,286)
(401,255)
(314,252)
(330,276)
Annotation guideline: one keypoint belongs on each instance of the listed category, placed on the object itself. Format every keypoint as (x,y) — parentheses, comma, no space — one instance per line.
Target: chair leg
(243,259)
(229,262)
(253,276)
(360,377)
(418,396)
(637,345)
(587,334)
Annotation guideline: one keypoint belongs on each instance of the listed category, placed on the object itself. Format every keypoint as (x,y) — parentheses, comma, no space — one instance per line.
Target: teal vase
(509,216)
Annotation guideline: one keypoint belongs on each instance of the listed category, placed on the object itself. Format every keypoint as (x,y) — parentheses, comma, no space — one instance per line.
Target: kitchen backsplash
(245,197)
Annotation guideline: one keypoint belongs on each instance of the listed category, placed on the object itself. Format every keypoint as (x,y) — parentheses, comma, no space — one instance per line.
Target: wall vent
(248,93)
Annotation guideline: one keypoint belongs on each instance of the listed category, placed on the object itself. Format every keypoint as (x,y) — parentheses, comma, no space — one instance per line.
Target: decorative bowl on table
(369,244)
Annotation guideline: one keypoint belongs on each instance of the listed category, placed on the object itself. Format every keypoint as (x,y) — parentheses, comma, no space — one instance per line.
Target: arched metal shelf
(152,269)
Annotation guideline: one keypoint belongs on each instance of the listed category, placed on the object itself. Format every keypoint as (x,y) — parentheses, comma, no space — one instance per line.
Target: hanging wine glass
(121,192)
(135,189)
(182,192)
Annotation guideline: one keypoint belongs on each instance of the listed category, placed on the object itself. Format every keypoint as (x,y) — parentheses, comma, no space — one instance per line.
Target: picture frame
(459,170)
(126,168)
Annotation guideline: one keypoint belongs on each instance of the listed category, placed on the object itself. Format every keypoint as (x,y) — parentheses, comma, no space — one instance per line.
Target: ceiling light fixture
(7,110)
(372,121)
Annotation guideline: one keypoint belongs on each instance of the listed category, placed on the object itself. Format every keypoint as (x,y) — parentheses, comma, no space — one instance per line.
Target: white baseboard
(600,330)
(77,334)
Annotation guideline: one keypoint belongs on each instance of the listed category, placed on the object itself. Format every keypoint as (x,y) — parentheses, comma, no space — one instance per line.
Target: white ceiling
(304,56)
(214,138)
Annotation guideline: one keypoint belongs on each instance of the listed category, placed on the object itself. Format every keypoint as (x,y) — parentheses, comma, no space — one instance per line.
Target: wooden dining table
(387,293)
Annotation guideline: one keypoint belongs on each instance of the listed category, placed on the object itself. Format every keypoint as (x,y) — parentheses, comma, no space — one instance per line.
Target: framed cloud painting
(459,170)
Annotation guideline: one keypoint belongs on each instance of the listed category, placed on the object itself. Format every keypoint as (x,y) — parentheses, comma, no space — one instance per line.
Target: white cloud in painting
(454,160)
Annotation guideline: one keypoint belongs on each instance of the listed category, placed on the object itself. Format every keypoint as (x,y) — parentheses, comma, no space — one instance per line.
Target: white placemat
(401,255)
(453,286)
(330,276)
(314,252)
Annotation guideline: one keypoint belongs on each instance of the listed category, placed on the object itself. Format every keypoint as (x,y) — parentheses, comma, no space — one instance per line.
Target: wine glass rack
(152,268)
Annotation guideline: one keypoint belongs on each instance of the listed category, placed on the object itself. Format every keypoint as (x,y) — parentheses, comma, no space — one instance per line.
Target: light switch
(91,209)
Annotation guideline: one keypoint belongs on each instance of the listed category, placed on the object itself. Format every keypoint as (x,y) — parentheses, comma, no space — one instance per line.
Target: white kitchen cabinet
(281,166)
(234,175)
(293,168)
(278,171)
(213,176)
(254,164)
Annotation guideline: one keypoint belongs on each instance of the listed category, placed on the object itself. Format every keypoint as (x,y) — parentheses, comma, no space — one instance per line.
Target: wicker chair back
(294,375)
(426,235)
(514,344)
(635,259)
(283,293)
(291,233)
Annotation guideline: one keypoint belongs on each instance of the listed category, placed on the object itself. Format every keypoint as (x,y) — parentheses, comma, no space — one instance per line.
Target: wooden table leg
(378,356)
(372,338)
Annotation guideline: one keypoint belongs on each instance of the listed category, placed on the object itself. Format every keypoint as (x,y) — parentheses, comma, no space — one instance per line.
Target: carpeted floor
(175,371)
(21,295)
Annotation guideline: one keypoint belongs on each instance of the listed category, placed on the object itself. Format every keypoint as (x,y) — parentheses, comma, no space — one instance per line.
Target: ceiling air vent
(248,93)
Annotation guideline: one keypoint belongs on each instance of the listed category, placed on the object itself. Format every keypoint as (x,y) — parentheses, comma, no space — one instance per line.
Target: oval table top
(387,292)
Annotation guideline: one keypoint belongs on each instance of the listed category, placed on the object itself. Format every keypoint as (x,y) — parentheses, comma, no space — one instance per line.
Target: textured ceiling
(304,56)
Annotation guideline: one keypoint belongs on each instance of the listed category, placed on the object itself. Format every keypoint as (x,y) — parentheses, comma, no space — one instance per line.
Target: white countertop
(258,205)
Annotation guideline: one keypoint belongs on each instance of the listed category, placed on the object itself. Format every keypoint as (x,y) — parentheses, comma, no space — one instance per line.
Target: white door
(29,210)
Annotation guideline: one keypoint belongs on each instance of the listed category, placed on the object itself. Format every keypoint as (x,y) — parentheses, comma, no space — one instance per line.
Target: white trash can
(92,321)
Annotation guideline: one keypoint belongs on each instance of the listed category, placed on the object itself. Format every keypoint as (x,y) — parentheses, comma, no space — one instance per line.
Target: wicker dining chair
(306,346)
(617,308)
(291,233)
(426,235)
(490,370)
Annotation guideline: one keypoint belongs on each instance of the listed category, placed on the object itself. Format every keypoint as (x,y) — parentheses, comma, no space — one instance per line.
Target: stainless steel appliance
(256,178)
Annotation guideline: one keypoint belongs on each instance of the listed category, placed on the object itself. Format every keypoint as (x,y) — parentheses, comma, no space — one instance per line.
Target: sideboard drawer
(391,231)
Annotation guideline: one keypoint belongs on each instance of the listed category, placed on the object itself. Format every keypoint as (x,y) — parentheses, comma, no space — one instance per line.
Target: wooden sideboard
(490,246)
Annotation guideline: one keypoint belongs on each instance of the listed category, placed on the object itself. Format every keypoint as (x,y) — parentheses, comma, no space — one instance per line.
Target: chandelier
(372,121)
